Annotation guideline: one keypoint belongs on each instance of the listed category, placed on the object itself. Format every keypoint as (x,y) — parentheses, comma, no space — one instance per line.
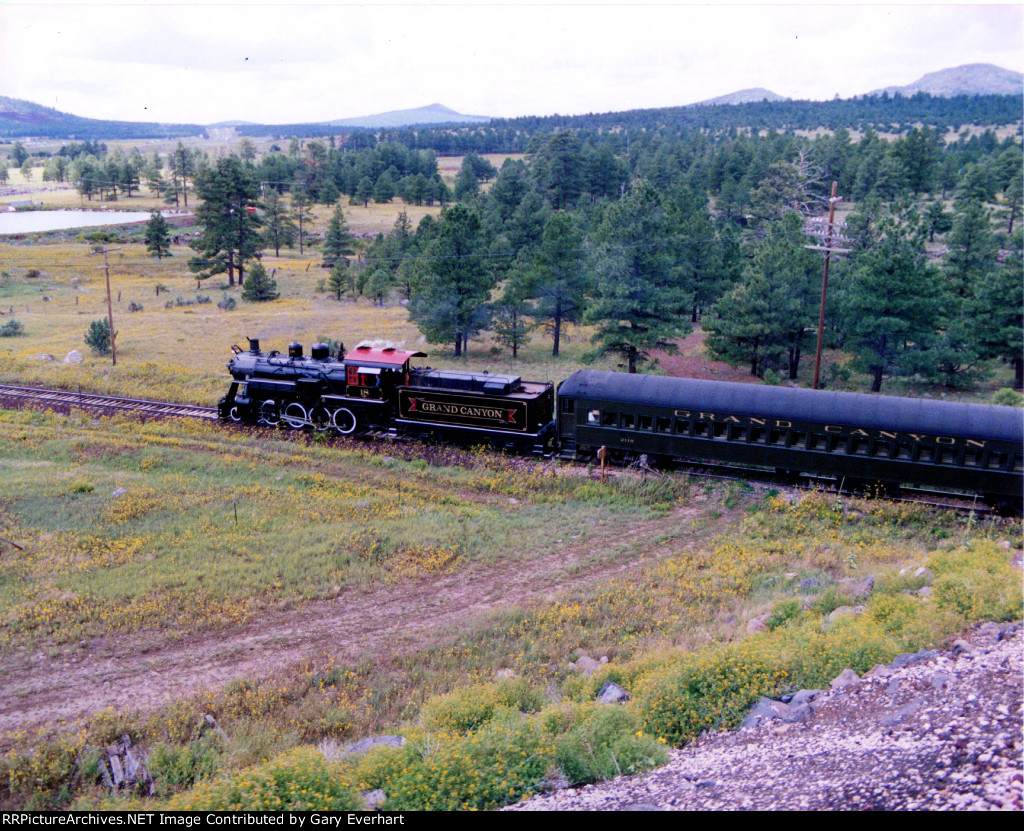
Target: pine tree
(337,241)
(259,287)
(230,227)
(300,207)
(512,313)
(889,306)
(97,337)
(560,277)
(158,237)
(638,304)
(279,225)
(765,320)
(340,281)
(449,303)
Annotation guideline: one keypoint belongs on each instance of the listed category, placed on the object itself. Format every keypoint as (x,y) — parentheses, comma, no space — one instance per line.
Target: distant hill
(743,96)
(431,114)
(23,118)
(969,79)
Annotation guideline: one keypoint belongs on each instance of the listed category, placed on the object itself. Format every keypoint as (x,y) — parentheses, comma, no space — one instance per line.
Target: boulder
(844,679)
(765,710)
(758,624)
(73,357)
(612,693)
(585,664)
(366,745)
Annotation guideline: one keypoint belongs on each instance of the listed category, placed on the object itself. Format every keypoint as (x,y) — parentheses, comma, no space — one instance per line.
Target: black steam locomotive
(371,389)
(858,440)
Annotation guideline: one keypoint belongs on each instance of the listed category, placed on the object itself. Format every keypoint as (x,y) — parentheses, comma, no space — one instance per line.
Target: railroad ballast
(857,440)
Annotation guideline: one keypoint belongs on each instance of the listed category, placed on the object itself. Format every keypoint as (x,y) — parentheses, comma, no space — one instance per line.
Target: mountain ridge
(966,79)
(24,118)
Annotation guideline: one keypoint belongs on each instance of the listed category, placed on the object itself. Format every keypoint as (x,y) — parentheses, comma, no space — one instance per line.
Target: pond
(34,222)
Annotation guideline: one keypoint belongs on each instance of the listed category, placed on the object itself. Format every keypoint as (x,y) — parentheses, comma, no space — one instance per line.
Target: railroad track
(86,400)
(92,401)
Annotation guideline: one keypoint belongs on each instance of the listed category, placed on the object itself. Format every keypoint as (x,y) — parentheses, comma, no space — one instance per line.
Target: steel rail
(107,402)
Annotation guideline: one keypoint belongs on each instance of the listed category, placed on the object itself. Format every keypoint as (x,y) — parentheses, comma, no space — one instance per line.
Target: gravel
(940,733)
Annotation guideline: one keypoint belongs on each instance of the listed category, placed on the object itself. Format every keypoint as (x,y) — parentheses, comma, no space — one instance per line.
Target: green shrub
(519,694)
(97,337)
(177,767)
(461,710)
(299,780)
(502,762)
(41,778)
(606,742)
(977,583)
(11,329)
(709,691)
(828,602)
(1008,398)
(782,612)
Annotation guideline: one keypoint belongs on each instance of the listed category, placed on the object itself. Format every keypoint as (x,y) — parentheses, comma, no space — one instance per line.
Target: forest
(643,227)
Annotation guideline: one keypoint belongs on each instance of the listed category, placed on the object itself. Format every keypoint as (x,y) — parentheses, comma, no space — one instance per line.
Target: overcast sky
(277,64)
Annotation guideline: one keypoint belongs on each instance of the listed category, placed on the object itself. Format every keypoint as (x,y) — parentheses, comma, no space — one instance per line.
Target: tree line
(641,247)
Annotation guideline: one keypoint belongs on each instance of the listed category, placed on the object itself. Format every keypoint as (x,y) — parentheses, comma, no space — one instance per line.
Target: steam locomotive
(857,440)
(373,389)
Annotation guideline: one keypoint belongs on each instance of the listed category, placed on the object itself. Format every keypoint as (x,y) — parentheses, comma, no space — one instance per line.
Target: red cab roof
(389,356)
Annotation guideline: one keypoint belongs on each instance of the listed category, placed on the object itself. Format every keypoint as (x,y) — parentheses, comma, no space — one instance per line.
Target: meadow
(183,541)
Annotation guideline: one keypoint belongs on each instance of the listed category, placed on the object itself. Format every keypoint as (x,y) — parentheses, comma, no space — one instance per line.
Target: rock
(764,711)
(366,745)
(1004,544)
(44,357)
(504,674)
(372,800)
(910,658)
(923,572)
(73,357)
(961,647)
(803,697)
(612,693)
(840,611)
(844,679)
(901,714)
(119,492)
(809,584)
(758,624)
(585,664)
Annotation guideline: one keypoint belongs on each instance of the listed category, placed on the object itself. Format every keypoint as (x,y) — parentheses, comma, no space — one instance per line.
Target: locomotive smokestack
(254,345)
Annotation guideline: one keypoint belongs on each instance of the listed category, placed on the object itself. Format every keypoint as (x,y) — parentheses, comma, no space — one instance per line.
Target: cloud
(282,64)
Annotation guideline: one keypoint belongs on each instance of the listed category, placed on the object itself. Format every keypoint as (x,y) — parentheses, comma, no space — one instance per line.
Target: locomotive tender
(858,440)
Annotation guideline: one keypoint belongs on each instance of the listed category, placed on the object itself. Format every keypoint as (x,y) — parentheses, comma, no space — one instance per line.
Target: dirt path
(145,671)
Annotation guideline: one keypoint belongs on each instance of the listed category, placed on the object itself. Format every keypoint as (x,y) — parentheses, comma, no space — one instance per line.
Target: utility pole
(110,308)
(828,249)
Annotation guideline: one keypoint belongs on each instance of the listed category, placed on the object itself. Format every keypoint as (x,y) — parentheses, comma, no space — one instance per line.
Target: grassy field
(475,563)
